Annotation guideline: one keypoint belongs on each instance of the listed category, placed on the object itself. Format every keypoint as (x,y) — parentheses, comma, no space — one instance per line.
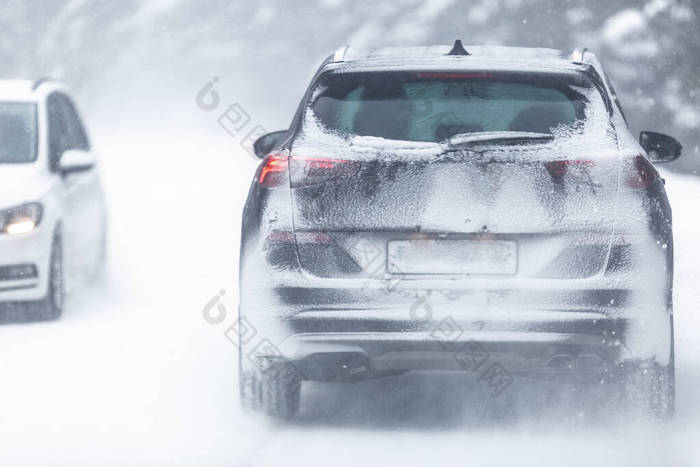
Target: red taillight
(305,170)
(280,236)
(286,236)
(558,169)
(313,237)
(313,170)
(274,170)
(452,75)
(639,173)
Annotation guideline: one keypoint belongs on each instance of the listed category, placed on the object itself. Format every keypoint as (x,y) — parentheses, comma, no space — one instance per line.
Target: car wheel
(281,390)
(250,391)
(51,306)
(649,390)
(275,391)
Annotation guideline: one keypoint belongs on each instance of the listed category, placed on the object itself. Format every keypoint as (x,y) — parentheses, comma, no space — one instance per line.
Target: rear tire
(51,307)
(276,391)
(249,391)
(648,390)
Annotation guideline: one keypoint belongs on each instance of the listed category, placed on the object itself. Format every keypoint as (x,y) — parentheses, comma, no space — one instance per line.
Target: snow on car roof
(16,89)
(477,51)
(25,89)
(479,57)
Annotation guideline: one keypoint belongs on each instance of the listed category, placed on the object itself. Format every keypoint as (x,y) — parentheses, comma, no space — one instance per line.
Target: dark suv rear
(431,206)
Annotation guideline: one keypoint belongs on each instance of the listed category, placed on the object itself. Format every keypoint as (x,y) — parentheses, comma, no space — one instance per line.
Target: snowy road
(132,374)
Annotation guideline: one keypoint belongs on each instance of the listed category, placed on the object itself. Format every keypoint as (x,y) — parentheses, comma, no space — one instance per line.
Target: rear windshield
(17,132)
(434,106)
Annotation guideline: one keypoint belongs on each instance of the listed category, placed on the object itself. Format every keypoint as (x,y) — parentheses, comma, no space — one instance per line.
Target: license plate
(452,257)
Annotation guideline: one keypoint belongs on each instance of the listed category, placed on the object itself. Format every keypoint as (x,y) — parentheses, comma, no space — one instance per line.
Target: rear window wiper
(491,137)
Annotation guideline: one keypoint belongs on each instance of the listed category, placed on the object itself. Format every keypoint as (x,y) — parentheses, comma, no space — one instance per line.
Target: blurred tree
(267,49)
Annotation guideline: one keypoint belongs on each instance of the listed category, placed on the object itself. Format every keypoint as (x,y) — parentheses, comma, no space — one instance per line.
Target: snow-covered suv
(431,207)
(52,208)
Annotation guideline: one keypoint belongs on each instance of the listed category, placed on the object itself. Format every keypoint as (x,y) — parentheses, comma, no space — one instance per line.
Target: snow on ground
(132,374)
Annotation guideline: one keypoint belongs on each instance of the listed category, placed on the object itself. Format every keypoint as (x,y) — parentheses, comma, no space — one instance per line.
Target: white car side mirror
(75,160)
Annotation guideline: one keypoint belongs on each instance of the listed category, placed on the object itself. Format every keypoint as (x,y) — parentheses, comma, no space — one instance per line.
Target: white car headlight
(21,219)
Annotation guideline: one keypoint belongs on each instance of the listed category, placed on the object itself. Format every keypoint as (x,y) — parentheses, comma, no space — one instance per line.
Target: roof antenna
(458,49)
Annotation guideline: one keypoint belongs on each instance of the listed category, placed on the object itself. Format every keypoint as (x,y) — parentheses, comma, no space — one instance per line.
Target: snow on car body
(424,200)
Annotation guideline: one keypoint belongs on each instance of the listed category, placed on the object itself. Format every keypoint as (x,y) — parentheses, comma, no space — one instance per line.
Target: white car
(52,207)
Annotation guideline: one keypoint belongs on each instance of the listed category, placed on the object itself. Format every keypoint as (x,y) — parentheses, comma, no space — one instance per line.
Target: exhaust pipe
(560,362)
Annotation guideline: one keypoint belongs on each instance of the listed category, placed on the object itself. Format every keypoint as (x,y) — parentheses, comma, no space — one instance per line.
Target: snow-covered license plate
(452,257)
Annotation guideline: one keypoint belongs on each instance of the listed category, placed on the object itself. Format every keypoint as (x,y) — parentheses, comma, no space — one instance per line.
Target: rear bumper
(354,344)
(346,329)
(352,356)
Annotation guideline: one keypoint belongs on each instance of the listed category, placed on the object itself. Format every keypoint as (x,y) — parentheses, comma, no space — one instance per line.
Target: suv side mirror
(75,160)
(660,147)
(267,143)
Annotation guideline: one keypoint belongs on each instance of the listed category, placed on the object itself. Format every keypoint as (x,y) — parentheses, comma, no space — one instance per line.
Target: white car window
(17,132)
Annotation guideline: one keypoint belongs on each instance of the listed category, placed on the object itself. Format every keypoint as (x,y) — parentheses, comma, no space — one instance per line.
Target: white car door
(83,204)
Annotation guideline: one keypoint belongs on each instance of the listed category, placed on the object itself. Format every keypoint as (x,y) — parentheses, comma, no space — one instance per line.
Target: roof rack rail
(581,52)
(339,54)
(40,81)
